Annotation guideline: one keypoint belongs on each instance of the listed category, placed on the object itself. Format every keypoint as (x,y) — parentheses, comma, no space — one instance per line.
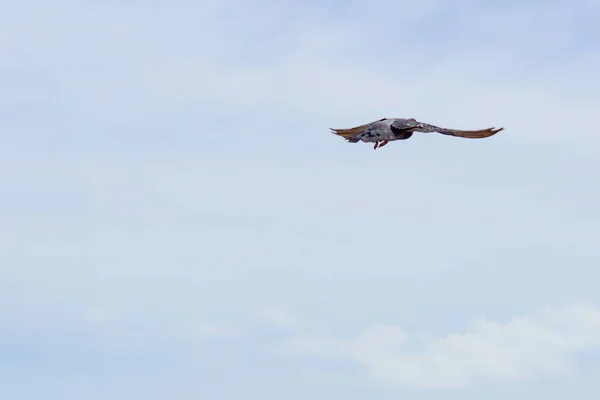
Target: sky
(177,221)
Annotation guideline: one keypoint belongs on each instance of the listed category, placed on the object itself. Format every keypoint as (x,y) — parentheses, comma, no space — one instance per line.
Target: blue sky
(178,222)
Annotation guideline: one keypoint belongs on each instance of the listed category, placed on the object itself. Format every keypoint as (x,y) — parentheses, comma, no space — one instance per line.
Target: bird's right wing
(347,133)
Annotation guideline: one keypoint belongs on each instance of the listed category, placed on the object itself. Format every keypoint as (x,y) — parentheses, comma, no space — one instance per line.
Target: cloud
(540,345)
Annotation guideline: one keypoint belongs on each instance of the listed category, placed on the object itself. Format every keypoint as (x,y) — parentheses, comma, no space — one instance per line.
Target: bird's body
(390,129)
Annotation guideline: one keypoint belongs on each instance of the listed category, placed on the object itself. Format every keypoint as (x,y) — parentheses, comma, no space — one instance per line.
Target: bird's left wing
(470,134)
(477,134)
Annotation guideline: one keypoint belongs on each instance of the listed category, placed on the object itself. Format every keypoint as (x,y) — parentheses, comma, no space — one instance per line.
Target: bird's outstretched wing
(471,134)
(478,134)
(350,132)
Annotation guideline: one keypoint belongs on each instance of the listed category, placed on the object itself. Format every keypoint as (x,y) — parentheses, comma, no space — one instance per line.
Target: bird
(386,130)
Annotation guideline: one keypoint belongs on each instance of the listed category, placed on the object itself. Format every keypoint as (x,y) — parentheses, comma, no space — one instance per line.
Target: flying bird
(389,129)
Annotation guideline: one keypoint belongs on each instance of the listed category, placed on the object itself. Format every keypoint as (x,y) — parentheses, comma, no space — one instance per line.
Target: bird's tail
(476,134)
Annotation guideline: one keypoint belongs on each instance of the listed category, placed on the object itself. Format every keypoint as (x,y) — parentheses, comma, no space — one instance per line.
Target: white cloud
(543,344)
